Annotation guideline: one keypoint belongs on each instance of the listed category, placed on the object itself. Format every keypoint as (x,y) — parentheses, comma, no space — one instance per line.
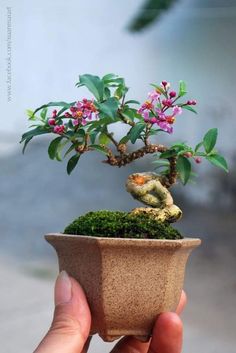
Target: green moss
(118,224)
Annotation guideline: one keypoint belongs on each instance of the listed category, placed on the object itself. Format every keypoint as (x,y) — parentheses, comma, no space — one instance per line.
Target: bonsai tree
(85,126)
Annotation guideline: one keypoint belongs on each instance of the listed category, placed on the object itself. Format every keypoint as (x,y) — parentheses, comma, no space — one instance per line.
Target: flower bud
(188,154)
(172,94)
(51,122)
(167,102)
(198,160)
(59,129)
(192,102)
(54,113)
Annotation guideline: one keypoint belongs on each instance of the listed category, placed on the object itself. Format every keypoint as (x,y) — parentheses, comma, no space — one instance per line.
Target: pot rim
(186,242)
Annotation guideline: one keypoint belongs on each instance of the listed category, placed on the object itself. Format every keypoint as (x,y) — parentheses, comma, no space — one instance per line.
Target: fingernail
(62,289)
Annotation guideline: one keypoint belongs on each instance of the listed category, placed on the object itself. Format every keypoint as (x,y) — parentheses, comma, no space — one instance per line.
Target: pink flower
(145,115)
(68,115)
(75,122)
(79,105)
(153,120)
(161,114)
(87,114)
(153,95)
(146,105)
(84,109)
(177,110)
(165,126)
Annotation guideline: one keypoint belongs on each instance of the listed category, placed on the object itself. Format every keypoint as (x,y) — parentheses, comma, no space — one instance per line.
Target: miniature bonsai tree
(86,125)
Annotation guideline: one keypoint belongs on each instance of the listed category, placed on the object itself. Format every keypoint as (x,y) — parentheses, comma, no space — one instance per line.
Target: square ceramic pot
(128,282)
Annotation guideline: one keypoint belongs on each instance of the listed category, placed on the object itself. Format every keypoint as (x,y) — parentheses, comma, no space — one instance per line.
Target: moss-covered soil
(117,224)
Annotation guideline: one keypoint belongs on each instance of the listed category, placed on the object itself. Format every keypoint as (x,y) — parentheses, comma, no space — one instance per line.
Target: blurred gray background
(51,43)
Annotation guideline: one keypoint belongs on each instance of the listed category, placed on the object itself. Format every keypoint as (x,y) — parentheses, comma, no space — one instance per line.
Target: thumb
(72,319)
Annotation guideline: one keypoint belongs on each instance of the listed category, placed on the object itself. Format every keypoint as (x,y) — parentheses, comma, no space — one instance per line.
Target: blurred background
(44,47)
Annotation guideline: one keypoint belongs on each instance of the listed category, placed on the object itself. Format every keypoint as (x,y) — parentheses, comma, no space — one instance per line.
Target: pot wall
(128,282)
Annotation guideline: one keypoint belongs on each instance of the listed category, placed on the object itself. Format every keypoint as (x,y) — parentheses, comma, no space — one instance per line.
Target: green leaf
(119,92)
(109,77)
(107,93)
(209,140)
(182,89)
(184,169)
(128,113)
(200,144)
(40,130)
(59,149)
(180,146)
(62,110)
(26,143)
(72,163)
(161,163)
(52,149)
(124,139)
(109,107)
(93,135)
(135,131)
(103,139)
(55,148)
(94,84)
(168,154)
(150,11)
(100,123)
(99,149)
(55,104)
(132,101)
(44,113)
(113,80)
(70,149)
(187,107)
(218,161)
(30,114)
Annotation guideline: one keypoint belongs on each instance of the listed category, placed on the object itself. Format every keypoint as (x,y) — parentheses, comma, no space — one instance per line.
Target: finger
(86,346)
(182,303)
(130,344)
(72,319)
(167,334)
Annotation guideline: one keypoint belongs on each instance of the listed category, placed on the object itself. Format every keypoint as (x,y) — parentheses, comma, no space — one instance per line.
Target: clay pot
(128,282)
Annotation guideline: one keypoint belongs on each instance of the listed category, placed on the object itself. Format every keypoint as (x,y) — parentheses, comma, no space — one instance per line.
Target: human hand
(72,319)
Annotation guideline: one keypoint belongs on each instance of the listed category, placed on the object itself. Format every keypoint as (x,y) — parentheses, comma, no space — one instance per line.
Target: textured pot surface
(128,282)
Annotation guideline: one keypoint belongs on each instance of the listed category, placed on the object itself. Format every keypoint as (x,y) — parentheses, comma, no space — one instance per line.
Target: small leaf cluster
(185,155)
